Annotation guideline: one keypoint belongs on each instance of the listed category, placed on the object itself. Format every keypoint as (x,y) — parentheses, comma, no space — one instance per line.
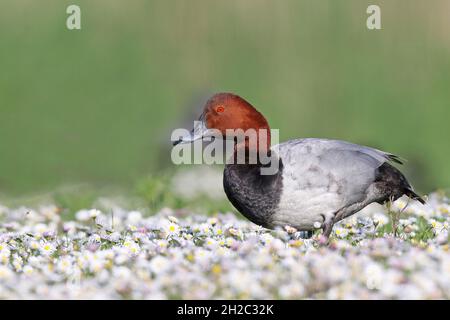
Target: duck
(318,181)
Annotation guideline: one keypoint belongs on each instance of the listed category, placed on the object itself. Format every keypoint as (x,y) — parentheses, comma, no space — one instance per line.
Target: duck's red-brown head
(227,112)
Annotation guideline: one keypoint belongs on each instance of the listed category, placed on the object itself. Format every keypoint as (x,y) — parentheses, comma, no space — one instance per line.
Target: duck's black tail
(410,193)
(393,184)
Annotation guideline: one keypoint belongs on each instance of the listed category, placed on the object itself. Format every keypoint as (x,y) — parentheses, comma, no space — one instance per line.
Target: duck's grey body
(320,181)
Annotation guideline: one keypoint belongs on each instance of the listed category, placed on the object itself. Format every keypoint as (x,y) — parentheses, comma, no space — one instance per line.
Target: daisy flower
(341,232)
(94,213)
(380,219)
(5,273)
(172,228)
(47,248)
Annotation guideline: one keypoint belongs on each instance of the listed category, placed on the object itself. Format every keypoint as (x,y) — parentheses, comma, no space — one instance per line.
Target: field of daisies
(108,252)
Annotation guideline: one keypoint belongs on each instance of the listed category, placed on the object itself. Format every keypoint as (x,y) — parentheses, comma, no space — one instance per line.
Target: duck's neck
(253,146)
(243,155)
(254,187)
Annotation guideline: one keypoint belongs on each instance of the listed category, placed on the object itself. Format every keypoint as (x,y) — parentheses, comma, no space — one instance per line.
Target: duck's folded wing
(332,167)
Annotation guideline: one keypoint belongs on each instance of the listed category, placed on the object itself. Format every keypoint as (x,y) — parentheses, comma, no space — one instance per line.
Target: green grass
(97,105)
(156,192)
(151,194)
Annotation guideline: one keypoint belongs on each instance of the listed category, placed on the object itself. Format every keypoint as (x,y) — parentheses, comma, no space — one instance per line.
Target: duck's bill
(198,132)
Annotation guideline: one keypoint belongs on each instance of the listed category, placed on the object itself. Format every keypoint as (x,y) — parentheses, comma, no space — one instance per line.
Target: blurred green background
(97,105)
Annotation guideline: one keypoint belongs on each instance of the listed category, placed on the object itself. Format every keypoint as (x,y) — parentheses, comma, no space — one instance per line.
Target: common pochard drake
(318,181)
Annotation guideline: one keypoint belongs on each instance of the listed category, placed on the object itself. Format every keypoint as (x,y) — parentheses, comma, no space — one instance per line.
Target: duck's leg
(328,227)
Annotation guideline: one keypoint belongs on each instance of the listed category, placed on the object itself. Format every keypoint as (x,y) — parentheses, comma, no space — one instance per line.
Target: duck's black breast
(254,195)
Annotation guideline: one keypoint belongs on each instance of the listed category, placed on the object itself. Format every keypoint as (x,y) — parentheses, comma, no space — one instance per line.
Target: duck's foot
(303,234)
(328,227)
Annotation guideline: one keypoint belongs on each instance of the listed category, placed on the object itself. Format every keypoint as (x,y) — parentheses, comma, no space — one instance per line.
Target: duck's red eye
(220,109)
